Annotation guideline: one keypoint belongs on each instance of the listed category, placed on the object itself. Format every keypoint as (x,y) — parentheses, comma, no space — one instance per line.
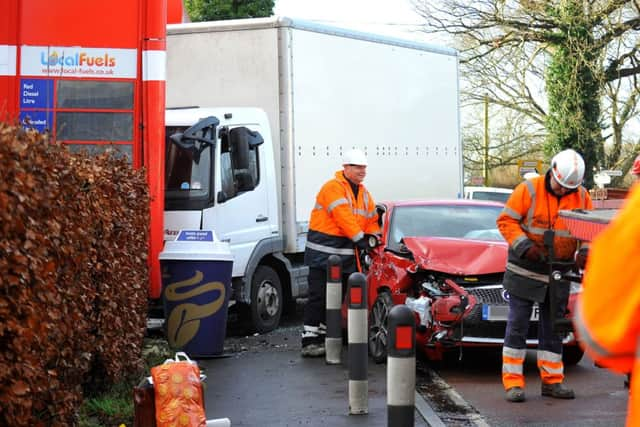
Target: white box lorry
(252,174)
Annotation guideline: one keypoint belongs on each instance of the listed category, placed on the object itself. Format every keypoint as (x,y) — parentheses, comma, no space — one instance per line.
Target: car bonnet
(458,256)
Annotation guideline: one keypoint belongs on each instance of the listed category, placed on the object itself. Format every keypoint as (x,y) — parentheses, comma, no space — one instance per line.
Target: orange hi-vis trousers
(550,366)
(515,343)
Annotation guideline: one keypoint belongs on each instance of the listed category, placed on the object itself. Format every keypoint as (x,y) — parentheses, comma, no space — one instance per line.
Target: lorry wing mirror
(222,197)
(242,140)
(239,145)
(207,126)
(177,138)
(203,131)
(255,139)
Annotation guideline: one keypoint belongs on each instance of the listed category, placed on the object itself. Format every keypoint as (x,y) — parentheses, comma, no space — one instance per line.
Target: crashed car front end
(454,287)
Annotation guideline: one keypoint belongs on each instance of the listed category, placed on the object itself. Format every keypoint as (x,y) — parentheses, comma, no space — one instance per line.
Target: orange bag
(178,393)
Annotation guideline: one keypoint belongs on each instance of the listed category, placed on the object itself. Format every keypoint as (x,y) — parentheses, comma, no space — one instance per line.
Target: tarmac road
(468,392)
(472,387)
(261,380)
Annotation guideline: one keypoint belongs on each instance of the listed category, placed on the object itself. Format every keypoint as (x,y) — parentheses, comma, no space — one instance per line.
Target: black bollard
(333,339)
(401,367)
(358,348)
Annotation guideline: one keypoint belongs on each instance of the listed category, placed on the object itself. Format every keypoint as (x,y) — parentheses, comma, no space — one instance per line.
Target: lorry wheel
(266,299)
(572,355)
(378,333)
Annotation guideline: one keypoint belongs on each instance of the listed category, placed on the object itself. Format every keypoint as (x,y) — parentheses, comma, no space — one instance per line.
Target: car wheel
(378,333)
(572,355)
(266,299)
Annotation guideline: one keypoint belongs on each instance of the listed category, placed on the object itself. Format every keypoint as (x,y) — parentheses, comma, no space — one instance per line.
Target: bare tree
(511,140)
(512,85)
(575,49)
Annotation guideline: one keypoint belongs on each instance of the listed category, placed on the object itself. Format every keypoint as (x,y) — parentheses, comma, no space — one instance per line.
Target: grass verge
(115,407)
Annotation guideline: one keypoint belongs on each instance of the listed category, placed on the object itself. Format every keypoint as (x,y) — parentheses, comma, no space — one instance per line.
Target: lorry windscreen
(188,172)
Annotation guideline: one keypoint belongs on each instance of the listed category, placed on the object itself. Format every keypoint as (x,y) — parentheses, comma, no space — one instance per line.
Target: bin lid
(196,245)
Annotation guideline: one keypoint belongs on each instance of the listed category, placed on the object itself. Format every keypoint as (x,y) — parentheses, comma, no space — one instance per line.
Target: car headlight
(575,287)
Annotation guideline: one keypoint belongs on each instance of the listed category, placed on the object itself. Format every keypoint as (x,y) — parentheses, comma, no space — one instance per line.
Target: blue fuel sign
(36,104)
(38,120)
(36,93)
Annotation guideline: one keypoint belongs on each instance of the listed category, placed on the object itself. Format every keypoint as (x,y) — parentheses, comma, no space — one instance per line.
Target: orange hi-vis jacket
(531,210)
(608,314)
(337,221)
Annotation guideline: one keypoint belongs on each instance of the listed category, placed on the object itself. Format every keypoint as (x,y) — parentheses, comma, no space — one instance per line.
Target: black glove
(581,258)
(534,253)
(363,243)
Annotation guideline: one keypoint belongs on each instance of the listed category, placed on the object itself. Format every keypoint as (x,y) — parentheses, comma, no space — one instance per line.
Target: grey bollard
(401,366)
(333,339)
(357,347)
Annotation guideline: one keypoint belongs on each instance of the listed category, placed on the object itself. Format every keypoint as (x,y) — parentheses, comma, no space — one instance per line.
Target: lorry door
(241,214)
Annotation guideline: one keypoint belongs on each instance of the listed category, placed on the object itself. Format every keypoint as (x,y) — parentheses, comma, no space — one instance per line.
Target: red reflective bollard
(401,367)
(358,348)
(333,340)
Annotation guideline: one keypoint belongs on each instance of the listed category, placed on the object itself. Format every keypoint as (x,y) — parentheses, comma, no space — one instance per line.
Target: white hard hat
(354,157)
(567,168)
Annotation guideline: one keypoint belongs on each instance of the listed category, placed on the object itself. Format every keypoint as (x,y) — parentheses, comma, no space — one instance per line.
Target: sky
(395,18)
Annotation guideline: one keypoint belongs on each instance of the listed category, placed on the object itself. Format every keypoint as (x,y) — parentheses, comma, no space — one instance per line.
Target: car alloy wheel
(378,333)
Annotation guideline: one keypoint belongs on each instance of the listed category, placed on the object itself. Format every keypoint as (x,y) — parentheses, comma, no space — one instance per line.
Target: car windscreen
(452,221)
(491,196)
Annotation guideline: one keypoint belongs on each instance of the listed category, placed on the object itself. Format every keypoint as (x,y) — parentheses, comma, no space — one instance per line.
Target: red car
(445,260)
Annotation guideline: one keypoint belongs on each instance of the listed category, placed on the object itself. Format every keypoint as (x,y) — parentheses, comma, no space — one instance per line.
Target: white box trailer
(325,90)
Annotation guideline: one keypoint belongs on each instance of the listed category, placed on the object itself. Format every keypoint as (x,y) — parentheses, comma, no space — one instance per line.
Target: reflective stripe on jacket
(530,211)
(337,221)
(608,313)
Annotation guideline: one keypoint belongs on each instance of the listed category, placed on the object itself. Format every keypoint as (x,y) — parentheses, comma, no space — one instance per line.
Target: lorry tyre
(572,355)
(266,299)
(378,333)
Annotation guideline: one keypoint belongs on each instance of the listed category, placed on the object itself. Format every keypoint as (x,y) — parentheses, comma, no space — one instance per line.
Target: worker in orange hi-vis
(530,213)
(607,320)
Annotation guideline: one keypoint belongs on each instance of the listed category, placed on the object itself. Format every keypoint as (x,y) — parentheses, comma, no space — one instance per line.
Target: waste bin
(196,285)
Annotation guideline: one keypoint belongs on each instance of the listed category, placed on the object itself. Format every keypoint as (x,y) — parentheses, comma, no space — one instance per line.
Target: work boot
(313,341)
(515,394)
(312,350)
(557,391)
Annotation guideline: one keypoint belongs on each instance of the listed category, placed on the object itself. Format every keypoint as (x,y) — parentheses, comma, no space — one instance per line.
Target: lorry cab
(219,175)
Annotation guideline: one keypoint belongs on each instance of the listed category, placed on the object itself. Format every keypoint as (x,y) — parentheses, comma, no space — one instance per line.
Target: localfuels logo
(77,59)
